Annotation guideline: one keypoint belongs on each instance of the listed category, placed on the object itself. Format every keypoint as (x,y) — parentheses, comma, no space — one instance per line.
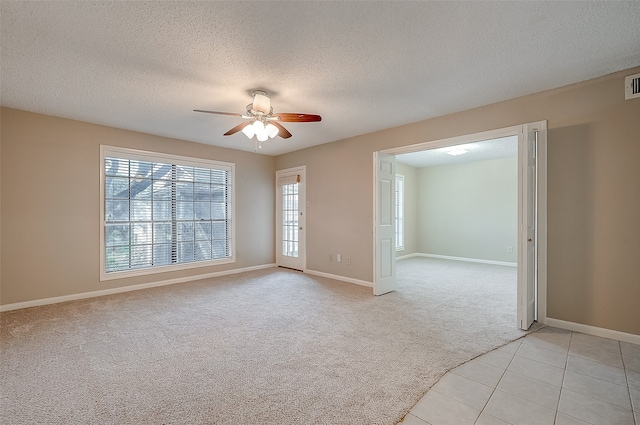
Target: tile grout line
(604,380)
(555,417)
(601,363)
(564,375)
(562,385)
(626,378)
(498,383)
(506,369)
(563,378)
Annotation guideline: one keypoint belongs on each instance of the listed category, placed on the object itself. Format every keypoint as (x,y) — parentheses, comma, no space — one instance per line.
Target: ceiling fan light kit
(263,123)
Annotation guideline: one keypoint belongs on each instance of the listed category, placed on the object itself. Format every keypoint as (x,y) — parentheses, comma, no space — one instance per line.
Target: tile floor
(550,377)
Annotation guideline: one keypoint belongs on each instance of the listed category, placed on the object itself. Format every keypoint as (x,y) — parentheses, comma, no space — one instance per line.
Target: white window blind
(399,212)
(164,211)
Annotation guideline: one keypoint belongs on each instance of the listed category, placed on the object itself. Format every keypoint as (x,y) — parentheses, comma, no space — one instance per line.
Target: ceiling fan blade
(237,128)
(232,114)
(291,117)
(283,132)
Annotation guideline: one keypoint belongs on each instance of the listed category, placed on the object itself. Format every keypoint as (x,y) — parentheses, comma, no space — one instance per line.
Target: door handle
(529,240)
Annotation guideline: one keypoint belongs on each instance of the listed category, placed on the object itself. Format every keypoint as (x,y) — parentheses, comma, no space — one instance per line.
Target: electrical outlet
(338,258)
(348,260)
(509,249)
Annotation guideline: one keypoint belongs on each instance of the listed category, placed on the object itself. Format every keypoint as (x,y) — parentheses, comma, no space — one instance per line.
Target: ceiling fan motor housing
(261,102)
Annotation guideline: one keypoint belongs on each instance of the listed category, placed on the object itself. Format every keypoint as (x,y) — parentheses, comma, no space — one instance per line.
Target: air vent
(632,86)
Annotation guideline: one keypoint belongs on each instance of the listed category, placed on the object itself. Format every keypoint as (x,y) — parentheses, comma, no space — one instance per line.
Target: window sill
(104,276)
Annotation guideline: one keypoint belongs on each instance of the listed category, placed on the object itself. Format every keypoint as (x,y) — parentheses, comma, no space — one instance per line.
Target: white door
(290,218)
(384,223)
(527,237)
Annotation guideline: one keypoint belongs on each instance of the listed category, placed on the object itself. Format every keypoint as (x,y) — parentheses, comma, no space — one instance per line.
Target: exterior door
(290,218)
(384,228)
(527,236)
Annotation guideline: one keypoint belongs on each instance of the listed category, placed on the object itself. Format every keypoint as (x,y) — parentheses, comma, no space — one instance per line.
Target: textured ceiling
(363,66)
(504,147)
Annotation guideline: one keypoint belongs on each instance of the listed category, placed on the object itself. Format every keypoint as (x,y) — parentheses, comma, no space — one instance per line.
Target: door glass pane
(290,216)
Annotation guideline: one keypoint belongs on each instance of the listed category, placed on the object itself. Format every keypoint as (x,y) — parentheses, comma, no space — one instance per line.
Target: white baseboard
(341,278)
(470,260)
(404,257)
(593,330)
(92,294)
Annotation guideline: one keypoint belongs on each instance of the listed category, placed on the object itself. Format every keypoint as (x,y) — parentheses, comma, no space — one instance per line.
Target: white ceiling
(363,66)
(504,147)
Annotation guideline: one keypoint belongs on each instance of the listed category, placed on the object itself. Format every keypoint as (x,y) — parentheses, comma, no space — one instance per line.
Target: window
(290,219)
(399,212)
(163,212)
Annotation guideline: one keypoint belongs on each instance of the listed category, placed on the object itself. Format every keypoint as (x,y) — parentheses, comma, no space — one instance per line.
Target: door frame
(302,219)
(541,204)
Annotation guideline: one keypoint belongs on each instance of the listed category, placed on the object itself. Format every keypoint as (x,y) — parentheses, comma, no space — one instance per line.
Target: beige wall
(411,232)
(51,204)
(593,195)
(470,210)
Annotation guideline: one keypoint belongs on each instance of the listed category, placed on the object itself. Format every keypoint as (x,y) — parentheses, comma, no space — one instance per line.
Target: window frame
(399,213)
(135,154)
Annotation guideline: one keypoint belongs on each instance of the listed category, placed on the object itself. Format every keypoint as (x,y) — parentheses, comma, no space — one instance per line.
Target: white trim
(400,178)
(301,171)
(458,140)
(593,330)
(404,257)
(152,156)
(106,150)
(470,260)
(341,278)
(541,226)
(124,274)
(541,184)
(374,231)
(92,294)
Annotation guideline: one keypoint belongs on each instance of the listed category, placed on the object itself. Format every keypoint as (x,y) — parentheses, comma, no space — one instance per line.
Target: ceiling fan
(261,121)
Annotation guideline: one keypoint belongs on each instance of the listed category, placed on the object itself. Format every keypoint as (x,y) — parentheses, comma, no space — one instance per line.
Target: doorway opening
(527,239)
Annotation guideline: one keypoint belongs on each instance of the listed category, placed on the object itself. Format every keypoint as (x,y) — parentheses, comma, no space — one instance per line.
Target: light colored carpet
(267,347)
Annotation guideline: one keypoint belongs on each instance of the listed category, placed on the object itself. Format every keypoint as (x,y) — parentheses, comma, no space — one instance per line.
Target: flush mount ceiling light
(262,122)
(455,151)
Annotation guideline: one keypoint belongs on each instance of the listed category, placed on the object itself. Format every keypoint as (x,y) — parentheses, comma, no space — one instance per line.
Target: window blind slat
(162,213)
